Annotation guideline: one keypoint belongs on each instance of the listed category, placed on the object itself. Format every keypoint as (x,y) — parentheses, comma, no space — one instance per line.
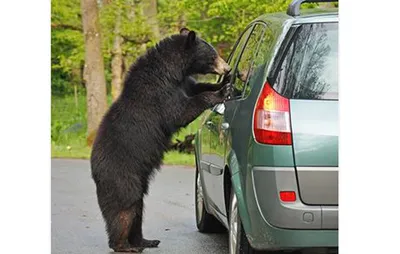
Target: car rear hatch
(308,77)
(315,145)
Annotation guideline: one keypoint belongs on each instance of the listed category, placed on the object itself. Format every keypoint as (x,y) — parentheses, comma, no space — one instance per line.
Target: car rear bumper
(268,182)
(275,225)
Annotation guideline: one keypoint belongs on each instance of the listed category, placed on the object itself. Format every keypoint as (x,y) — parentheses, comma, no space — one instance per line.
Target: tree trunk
(150,11)
(117,60)
(94,66)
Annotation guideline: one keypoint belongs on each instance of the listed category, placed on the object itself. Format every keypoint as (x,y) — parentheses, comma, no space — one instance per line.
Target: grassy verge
(68,132)
(81,151)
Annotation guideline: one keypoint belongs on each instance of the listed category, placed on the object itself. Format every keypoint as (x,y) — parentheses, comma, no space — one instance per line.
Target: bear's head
(203,58)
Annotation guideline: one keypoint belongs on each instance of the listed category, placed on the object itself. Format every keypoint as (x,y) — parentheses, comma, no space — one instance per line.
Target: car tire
(206,223)
(238,242)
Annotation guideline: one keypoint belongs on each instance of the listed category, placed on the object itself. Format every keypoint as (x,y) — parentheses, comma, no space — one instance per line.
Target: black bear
(159,97)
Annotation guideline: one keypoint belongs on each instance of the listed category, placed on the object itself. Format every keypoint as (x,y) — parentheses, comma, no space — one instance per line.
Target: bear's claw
(150,243)
(226,91)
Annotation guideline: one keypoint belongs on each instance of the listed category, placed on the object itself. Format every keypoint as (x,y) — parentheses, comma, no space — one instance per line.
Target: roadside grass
(68,132)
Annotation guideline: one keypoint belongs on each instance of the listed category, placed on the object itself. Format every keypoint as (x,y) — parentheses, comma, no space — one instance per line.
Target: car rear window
(309,69)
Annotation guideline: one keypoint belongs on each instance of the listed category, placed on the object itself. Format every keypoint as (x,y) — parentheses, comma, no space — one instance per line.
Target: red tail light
(271,118)
(287,196)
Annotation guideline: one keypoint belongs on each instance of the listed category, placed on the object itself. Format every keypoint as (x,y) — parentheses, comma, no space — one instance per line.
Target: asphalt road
(77,225)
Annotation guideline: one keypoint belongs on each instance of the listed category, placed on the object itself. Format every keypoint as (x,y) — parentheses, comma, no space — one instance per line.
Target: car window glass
(244,65)
(309,69)
(238,47)
(262,55)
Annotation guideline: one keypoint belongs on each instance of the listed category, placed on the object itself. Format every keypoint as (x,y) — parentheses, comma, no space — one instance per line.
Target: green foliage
(217,21)
(68,120)
(67,46)
(66,12)
(67,40)
(176,158)
(126,18)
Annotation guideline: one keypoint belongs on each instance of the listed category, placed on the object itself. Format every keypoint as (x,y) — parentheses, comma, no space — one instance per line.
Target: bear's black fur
(159,97)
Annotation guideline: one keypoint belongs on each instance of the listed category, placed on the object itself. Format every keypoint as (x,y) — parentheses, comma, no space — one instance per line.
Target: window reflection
(244,66)
(309,70)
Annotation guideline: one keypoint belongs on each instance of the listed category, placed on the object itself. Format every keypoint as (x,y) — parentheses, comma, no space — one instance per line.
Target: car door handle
(225,126)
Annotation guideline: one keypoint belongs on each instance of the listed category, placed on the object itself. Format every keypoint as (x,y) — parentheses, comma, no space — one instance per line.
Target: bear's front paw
(217,97)
(226,80)
(226,91)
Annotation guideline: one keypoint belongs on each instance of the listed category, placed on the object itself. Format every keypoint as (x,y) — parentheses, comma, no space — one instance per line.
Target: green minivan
(267,158)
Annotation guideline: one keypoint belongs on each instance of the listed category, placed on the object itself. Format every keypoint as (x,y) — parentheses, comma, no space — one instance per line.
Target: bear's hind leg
(136,235)
(118,232)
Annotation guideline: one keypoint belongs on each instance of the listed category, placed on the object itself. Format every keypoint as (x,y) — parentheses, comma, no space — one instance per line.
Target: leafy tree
(218,21)
(127,33)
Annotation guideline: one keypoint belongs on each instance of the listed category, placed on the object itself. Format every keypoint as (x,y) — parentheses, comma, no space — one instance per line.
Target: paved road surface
(77,225)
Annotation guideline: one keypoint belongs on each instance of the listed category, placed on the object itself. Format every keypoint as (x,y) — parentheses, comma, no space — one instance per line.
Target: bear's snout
(221,67)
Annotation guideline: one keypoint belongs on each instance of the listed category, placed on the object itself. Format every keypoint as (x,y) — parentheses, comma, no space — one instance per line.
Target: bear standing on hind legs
(159,97)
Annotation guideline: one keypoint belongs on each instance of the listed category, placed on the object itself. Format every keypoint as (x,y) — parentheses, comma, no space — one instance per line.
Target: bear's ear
(191,39)
(184,31)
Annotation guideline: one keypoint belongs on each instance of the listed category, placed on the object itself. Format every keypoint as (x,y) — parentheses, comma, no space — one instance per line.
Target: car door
(219,120)
(249,72)
(213,155)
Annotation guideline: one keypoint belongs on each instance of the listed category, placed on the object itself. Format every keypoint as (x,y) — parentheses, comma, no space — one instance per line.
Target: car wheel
(206,223)
(238,243)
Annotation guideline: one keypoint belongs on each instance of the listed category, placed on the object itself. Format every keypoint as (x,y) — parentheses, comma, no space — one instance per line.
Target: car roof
(307,16)
(317,17)
(279,22)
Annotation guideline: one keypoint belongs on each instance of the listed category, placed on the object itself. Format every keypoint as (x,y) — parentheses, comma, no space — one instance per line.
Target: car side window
(244,63)
(238,47)
(260,61)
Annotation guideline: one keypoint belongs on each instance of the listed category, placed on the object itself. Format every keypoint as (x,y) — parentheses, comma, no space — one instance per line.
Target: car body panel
(318,185)
(315,131)
(268,181)
(217,160)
